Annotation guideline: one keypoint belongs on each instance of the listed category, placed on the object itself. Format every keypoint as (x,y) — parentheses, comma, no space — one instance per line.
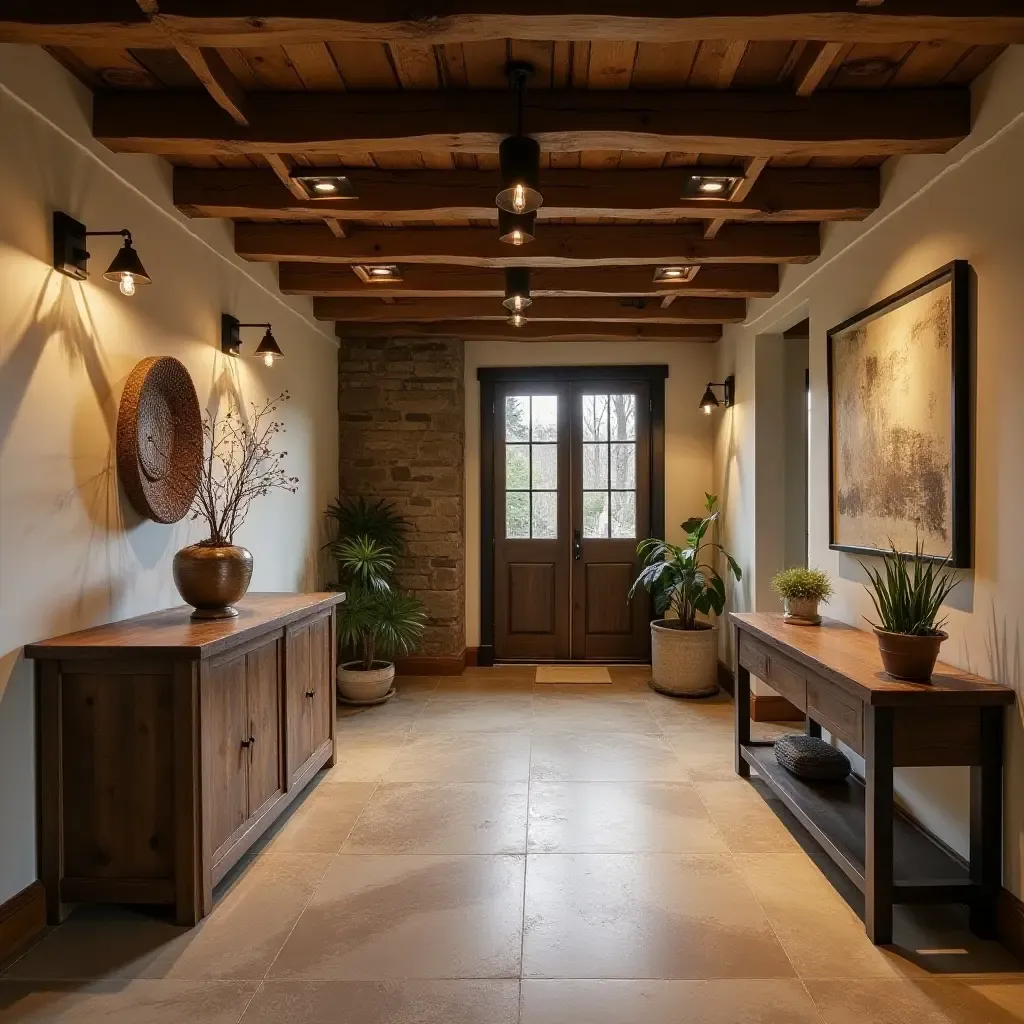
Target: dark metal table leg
(878,756)
(741,701)
(812,728)
(986,823)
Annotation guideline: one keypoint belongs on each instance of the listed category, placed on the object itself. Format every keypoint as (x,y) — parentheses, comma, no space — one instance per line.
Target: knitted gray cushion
(808,757)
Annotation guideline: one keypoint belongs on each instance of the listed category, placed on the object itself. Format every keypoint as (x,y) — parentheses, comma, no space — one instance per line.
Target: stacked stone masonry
(401,406)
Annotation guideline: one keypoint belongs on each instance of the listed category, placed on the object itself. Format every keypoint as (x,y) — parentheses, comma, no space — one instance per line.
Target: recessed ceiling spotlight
(517,228)
(705,183)
(675,275)
(868,67)
(378,273)
(318,185)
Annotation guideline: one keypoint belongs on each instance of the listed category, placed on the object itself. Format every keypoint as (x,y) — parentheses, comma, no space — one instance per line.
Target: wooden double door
(571,498)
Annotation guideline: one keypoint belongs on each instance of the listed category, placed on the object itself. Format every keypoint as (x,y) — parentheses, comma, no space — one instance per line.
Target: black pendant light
(517,289)
(517,228)
(519,155)
(517,320)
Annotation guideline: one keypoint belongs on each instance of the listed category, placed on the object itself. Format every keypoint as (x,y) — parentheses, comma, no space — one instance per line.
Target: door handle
(311,693)
(577,545)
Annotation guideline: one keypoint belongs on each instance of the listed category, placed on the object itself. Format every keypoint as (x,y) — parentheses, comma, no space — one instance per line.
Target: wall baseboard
(725,680)
(1010,922)
(22,917)
(472,657)
(769,707)
(432,665)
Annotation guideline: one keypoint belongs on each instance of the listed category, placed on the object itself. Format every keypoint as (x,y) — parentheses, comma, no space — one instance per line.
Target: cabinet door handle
(311,693)
(249,742)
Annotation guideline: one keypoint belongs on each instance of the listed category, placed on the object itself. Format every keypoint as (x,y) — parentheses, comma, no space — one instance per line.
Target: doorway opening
(572,477)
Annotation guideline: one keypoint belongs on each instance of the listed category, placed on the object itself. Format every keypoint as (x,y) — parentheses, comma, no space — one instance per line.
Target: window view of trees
(531,466)
(609,466)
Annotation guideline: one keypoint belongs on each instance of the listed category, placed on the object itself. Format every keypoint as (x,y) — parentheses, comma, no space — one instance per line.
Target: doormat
(572,674)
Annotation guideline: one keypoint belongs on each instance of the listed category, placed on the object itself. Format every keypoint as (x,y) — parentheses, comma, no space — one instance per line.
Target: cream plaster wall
(966,205)
(72,552)
(688,432)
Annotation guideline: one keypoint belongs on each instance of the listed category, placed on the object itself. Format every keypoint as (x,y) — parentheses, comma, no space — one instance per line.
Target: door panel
(263,692)
(606,611)
(321,702)
(225,728)
(532,599)
(300,729)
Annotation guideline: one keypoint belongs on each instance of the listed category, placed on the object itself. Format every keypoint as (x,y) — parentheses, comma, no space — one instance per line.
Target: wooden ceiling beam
(487,330)
(779,194)
(562,246)
(726,123)
(425,280)
(584,310)
(277,22)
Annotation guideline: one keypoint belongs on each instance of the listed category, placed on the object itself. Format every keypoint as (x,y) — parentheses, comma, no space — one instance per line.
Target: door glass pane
(595,513)
(545,514)
(545,467)
(595,466)
(517,515)
(623,417)
(623,467)
(531,467)
(517,418)
(595,417)
(624,514)
(517,467)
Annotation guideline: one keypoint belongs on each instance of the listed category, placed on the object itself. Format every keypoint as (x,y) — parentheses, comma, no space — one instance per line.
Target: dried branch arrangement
(239,464)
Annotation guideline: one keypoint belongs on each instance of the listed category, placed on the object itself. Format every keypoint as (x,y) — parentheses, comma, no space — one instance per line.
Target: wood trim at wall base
(769,707)
(725,680)
(472,657)
(22,917)
(432,665)
(1010,922)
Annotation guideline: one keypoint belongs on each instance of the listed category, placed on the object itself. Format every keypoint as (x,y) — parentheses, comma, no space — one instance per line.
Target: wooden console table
(167,747)
(834,674)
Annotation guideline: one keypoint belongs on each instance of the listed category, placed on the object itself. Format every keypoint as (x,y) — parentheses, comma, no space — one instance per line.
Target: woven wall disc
(160,439)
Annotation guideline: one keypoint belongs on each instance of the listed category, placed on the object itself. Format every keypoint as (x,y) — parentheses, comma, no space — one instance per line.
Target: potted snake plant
(684,583)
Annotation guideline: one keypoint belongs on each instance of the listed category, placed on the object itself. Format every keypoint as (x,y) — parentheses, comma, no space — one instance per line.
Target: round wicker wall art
(160,439)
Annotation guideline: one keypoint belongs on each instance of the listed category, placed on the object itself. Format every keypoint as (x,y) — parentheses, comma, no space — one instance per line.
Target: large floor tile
(463,757)
(823,937)
(476,713)
(705,751)
(604,757)
(362,757)
(377,918)
(645,916)
(318,822)
(744,818)
(387,1002)
(620,817)
(558,714)
(666,1002)
(441,818)
(124,1002)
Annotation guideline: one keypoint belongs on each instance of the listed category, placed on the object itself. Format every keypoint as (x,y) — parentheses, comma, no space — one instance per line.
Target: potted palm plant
(802,590)
(907,601)
(377,622)
(683,581)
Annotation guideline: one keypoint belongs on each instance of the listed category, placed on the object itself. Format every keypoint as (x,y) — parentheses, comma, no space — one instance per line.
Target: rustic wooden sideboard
(833,673)
(166,747)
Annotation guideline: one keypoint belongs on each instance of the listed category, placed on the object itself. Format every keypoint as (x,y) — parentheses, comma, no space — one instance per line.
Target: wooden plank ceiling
(806,98)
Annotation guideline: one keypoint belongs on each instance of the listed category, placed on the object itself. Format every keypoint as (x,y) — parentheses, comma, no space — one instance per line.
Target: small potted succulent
(801,590)
(683,581)
(377,621)
(907,601)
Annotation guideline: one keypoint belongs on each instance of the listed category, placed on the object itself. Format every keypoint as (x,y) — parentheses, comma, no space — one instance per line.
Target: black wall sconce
(709,402)
(71,258)
(231,340)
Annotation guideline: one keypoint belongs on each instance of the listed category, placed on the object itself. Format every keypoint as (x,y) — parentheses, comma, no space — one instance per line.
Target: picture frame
(899,407)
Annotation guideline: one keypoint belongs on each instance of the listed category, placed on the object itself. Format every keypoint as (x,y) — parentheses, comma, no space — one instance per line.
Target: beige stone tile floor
(488,850)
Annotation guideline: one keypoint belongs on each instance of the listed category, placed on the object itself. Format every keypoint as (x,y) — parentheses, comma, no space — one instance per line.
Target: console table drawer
(754,656)
(775,669)
(842,716)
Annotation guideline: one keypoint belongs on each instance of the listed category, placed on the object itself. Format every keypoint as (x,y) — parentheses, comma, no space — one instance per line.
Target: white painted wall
(72,551)
(688,431)
(965,205)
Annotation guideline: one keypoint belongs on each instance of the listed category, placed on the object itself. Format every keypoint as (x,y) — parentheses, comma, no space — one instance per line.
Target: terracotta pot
(909,657)
(358,683)
(684,661)
(801,611)
(212,578)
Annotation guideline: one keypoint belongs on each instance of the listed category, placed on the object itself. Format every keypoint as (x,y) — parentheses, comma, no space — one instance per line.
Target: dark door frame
(490,377)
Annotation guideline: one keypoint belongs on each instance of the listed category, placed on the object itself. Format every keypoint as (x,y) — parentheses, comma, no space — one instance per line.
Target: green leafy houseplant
(800,582)
(683,579)
(376,620)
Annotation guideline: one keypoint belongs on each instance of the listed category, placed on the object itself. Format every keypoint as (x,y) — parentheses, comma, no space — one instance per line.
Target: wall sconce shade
(708,183)
(517,289)
(269,349)
(709,402)
(517,228)
(126,269)
(71,258)
(231,340)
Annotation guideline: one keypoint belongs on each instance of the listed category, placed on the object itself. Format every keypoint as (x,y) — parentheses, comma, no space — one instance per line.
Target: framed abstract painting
(899,431)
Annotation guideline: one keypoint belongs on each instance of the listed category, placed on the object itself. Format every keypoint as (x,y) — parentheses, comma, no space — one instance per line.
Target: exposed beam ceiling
(534,332)
(779,194)
(743,124)
(425,280)
(561,246)
(590,310)
(282,22)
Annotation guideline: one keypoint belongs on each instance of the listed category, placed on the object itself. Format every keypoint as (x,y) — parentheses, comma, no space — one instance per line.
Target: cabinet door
(225,759)
(298,668)
(321,649)
(263,690)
